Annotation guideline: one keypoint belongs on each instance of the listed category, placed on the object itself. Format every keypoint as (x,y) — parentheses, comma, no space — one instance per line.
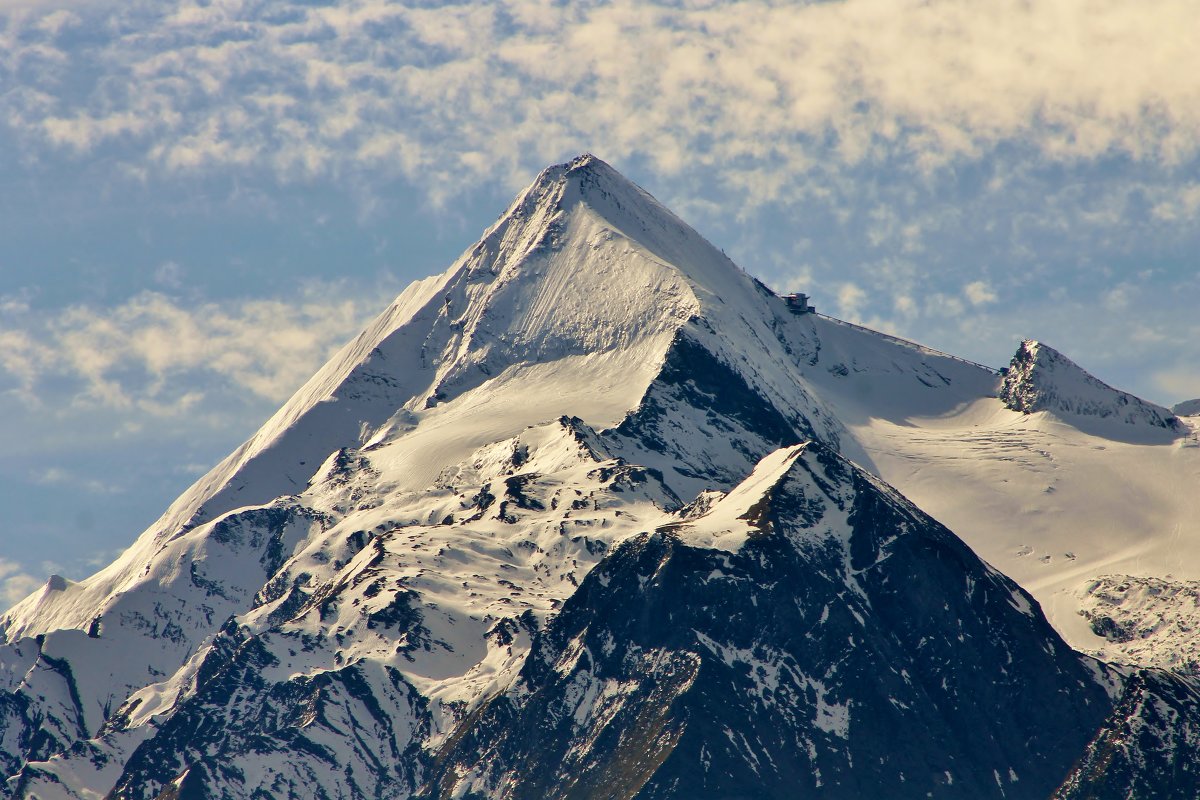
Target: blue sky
(200,201)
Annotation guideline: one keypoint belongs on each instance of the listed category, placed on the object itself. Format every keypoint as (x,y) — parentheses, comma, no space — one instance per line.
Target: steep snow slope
(570,304)
(393,621)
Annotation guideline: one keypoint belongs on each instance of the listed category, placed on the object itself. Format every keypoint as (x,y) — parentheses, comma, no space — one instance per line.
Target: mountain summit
(581,300)
(1042,379)
(574,518)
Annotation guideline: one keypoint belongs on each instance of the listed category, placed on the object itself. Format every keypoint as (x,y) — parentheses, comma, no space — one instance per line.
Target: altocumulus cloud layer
(152,354)
(963,173)
(446,93)
(1048,143)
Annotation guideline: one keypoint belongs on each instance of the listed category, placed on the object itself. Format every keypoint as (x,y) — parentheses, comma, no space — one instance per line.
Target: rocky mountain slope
(1042,379)
(575,518)
(772,646)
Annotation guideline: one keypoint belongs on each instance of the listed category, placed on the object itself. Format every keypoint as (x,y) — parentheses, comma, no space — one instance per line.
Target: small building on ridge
(798,303)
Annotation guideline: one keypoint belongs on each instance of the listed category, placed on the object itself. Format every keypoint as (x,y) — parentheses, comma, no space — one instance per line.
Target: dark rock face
(696,393)
(362,720)
(39,729)
(886,660)
(1148,746)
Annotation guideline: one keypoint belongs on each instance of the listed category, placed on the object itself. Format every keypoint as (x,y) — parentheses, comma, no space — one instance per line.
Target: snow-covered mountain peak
(1040,378)
(567,181)
(586,295)
(588,185)
(587,299)
(807,490)
(729,520)
(467,537)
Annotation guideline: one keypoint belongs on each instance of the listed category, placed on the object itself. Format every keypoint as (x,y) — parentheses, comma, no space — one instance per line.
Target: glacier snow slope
(1056,498)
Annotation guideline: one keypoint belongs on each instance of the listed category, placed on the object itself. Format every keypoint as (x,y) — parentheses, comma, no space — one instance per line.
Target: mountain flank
(591,514)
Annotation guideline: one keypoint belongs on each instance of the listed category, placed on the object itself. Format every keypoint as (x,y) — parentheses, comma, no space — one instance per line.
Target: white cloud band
(462,90)
(156,355)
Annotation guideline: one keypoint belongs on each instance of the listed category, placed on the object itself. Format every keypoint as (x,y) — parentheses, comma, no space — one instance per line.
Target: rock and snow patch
(726,523)
(1040,378)
(1148,622)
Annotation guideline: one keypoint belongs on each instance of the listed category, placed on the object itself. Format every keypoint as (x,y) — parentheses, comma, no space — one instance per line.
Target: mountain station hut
(798,303)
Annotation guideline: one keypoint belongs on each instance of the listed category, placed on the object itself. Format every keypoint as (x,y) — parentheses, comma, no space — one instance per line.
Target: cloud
(1181,382)
(159,355)
(1181,203)
(21,360)
(979,293)
(170,275)
(1119,297)
(15,584)
(943,306)
(57,476)
(763,92)
(906,137)
(850,299)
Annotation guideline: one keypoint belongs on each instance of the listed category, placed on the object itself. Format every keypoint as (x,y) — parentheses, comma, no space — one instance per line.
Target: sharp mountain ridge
(593,513)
